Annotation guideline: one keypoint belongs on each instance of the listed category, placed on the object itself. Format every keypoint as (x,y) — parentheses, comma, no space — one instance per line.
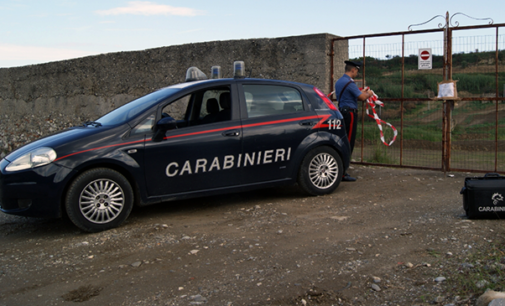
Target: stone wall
(41,99)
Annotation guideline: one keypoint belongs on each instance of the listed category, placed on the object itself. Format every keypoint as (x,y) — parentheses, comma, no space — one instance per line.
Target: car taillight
(325,99)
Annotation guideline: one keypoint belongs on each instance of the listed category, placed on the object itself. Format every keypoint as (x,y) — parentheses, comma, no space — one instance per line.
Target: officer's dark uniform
(347,92)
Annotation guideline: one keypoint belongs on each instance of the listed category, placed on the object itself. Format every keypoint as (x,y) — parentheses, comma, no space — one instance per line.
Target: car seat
(225,103)
(212,107)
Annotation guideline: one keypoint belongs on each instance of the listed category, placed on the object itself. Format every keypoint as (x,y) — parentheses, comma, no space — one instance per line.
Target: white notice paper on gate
(446,90)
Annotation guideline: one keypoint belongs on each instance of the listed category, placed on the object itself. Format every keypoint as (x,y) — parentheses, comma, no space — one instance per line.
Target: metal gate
(464,133)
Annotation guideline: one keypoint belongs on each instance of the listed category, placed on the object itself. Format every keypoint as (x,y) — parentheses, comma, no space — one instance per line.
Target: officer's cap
(354,63)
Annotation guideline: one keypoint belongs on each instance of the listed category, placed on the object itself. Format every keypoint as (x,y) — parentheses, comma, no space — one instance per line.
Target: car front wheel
(99,199)
(321,171)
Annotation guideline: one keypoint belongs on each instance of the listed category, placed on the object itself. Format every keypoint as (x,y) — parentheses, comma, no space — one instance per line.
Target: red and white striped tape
(372,101)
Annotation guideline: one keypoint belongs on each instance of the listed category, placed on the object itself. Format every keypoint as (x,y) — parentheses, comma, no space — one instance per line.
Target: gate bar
(363,106)
(401,103)
(496,103)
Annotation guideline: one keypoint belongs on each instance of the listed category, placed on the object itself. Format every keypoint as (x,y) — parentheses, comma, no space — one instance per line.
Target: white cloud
(37,54)
(147,8)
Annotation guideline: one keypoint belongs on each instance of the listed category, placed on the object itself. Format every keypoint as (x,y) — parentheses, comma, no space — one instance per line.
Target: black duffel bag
(484,197)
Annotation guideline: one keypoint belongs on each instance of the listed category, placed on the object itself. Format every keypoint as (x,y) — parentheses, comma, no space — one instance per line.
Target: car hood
(54,141)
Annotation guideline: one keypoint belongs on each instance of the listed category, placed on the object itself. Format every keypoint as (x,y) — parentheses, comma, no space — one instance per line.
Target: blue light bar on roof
(215,72)
(239,69)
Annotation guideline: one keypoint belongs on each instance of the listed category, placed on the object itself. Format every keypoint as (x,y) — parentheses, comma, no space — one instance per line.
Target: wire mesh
(421,133)
(478,118)
(478,131)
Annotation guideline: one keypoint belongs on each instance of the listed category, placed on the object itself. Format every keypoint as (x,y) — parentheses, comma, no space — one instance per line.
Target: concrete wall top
(299,58)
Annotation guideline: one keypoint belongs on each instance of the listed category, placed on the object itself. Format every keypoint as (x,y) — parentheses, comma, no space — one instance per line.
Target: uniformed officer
(348,94)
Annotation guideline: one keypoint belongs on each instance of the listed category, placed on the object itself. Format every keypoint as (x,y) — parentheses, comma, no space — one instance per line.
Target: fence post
(449,104)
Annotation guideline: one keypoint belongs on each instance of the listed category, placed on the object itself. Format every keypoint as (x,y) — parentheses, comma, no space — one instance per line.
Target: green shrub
(380,154)
(428,132)
(475,83)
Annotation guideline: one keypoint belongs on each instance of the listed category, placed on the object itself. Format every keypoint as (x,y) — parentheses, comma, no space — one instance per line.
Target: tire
(99,199)
(321,171)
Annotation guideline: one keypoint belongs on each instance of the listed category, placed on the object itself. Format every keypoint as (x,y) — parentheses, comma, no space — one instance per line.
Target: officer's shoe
(348,178)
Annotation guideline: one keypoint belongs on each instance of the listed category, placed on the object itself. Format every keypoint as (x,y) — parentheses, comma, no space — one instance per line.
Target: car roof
(233,80)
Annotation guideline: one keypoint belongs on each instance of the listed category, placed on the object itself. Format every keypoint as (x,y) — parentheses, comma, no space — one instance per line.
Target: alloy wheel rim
(323,171)
(101,201)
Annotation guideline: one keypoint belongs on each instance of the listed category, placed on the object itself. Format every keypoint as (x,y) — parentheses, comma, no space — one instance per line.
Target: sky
(40,31)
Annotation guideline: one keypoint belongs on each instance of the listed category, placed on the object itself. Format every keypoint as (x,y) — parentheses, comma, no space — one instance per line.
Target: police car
(198,138)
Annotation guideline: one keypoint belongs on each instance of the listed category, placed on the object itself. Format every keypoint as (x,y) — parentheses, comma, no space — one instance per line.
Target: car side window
(177,109)
(201,107)
(266,100)
(215,105)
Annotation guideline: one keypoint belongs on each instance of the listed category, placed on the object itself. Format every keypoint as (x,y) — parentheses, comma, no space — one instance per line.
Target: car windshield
(128,111)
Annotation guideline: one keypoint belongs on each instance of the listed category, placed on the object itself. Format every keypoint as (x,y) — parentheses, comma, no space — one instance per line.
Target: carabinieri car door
(201,154)
(278,123)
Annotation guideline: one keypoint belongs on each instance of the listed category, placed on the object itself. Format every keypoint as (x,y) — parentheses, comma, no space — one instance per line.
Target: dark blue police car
(201,137)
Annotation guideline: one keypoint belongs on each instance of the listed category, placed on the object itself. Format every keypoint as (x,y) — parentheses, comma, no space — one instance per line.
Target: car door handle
(307,123)
(231,133)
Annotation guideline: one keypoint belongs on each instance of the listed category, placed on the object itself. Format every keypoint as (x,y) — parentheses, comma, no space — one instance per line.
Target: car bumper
(33,192)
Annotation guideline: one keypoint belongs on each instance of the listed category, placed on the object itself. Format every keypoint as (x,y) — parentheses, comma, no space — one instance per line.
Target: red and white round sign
(425,58)
(425,55)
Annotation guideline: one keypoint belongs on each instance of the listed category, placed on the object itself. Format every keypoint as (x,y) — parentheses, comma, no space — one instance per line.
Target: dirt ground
(383,240)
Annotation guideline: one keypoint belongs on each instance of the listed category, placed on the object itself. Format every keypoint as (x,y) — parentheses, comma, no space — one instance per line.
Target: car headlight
(36,158)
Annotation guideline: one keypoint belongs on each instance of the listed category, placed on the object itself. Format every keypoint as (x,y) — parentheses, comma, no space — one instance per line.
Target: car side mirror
(162,126)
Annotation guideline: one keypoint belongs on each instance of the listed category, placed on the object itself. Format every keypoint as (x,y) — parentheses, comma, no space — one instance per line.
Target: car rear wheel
(99,199)
(321,171)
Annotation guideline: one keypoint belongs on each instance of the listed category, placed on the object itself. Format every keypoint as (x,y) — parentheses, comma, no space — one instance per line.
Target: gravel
(394,237)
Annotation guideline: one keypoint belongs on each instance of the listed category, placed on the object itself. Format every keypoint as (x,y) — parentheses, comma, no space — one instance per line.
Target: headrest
(212,106)
(225,100)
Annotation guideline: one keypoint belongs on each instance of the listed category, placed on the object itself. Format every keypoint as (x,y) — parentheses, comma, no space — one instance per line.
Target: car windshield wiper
(93,123)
